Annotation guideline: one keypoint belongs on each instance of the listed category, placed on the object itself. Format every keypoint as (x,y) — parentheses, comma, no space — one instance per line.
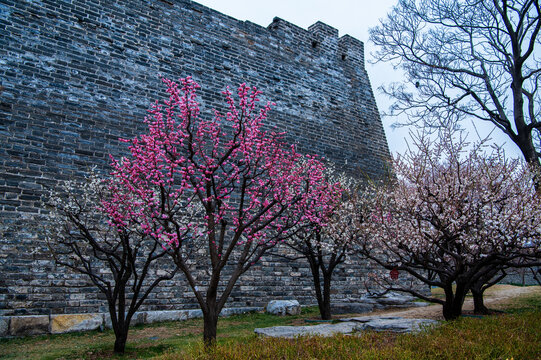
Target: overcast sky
(353,17)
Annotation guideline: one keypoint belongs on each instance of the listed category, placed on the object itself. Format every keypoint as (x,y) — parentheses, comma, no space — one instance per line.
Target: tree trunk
(120,342)
(210,323)
(452,309)
(325,309)
(524,139)
(525,145)
(118,322)
(314,269)
(323,294)
(478,302)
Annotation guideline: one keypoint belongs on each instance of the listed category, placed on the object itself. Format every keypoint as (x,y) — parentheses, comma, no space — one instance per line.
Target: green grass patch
(503,337)
(513,334)
(144,341)
(526,303)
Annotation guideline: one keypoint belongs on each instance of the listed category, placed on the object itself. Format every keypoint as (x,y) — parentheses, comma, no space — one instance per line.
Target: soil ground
(495,298)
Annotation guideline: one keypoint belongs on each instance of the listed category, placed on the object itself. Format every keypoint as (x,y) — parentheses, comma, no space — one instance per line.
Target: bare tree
(467,59)
(117,256)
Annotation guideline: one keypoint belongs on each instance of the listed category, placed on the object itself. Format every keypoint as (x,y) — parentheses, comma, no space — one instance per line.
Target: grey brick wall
(77,75)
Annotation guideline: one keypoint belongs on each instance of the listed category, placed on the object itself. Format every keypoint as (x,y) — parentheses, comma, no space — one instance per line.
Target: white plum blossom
(452,215)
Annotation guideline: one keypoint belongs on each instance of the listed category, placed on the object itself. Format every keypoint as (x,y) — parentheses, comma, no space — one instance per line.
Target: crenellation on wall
(351,50)
(323,30)
(288,31)
(324,39)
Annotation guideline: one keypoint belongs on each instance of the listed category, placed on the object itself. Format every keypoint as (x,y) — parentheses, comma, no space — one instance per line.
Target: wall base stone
(4,327)
(198,313)
(239,310)
(139,318)
(159,316)
(29,325)
(75,322)
(13,326)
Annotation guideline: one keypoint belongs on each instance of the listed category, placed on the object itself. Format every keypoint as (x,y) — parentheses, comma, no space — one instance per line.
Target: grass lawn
(145,341)
(515,334)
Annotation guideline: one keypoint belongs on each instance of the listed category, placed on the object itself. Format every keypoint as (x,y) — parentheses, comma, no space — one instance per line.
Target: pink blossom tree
(246,185)
(450,218)
(120,258)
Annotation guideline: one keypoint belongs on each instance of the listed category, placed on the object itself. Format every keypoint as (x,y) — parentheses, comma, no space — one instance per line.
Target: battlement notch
(351,49)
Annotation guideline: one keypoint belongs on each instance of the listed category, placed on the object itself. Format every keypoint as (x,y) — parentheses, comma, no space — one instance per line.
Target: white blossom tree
(120,259)
(451,216)
(325,242)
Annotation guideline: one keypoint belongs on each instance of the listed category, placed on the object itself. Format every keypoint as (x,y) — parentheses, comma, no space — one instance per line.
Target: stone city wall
(78,75)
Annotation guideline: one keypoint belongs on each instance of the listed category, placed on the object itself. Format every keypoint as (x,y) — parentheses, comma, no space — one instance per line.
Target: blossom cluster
(451,207)
(192,177)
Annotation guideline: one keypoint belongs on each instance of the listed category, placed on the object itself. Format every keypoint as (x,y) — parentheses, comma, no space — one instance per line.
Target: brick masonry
(77,75)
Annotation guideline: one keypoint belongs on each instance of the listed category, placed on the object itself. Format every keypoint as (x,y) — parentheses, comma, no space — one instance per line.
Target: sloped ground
(495,298)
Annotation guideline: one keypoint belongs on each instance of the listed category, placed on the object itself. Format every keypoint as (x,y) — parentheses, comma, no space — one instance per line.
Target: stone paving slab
(349,326)
(320,330)
(391,323)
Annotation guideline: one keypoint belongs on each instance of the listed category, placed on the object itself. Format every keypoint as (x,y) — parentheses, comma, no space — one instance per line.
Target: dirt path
(495,298)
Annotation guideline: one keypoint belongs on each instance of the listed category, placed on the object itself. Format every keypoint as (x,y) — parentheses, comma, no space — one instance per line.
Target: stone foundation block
(239,310)
(4,326)
(171,315)
(138,318)
(75,322)
(29,325)
(192,314)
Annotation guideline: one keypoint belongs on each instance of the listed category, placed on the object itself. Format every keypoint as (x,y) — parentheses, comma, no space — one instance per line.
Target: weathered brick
(79,75)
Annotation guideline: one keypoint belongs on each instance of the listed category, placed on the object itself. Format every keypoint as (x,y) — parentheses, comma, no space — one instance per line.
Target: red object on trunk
(394,274)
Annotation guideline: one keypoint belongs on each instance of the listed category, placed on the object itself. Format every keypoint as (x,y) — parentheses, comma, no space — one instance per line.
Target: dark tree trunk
(323,293)
(527,148)
(452,309)
(523,139)
(210,316)
(120,340)
(492,276)
(478,302)
(325,309)
(210,323)
(119,325)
